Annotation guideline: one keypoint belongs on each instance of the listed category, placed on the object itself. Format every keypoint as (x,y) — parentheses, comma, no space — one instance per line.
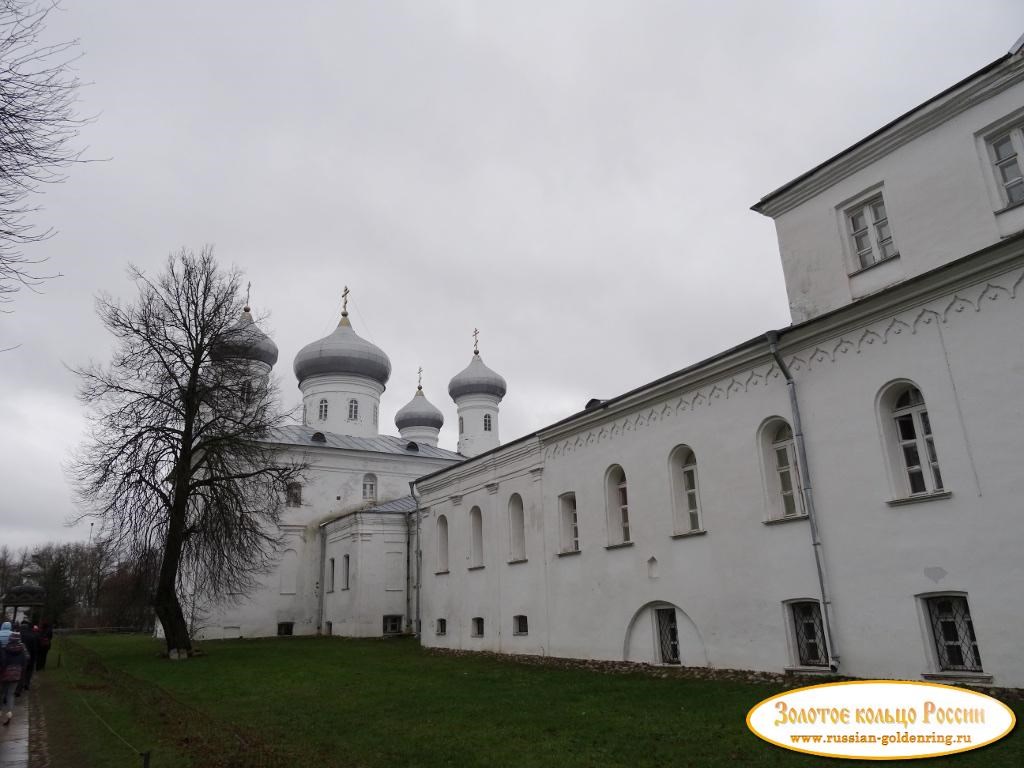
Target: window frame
(330,574)
(774,472)
(293,494)
(476,534)
(797,627)
(477,626)
(966,644)
(346,572)
(369,487)
(441,627)
(687,515)
(516,529)
(353,410)
(921,441)
(442,544)
(392,617)
(617,505)
(520,625)
(487,422)
(323,408)
(568,524)
(285,628)
(1015,133)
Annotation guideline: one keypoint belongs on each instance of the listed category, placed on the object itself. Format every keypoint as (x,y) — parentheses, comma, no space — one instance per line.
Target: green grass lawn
(335,702)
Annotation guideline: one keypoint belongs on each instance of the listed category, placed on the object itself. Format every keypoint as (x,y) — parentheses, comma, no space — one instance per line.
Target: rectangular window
(624,511)
(330,575)
(293,495)
(809,633)
(668,635)
(392,625)
(442,627)
(520,626)
(953,631)
(329,629)
(870,236)
(1005,151)
(345,568)
(285,628)
(569,524)
(478,627)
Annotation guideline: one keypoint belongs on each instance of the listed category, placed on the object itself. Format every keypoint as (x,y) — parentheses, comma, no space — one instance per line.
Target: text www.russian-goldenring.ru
(885,739)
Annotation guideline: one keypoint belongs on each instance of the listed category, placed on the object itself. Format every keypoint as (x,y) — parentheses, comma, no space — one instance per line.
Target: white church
(837,495)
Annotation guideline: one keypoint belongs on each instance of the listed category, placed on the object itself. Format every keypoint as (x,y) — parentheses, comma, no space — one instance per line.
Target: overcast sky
(573,178)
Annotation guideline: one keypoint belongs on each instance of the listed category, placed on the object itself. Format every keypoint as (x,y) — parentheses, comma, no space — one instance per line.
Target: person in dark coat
(13,660)
(30,640)
(44,643)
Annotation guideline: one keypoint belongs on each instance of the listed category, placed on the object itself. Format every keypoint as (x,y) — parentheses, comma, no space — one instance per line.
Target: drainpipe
(323,587)
(808,497)
(419,559)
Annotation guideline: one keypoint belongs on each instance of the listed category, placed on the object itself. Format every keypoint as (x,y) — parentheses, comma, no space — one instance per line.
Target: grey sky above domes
(343,352)
(419,412)
(476,379)
(246,342)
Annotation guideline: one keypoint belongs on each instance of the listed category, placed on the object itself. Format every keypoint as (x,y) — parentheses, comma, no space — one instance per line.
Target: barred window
(809,633)
(953,631)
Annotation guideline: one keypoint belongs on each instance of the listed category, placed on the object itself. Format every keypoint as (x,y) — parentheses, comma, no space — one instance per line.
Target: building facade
(837,495)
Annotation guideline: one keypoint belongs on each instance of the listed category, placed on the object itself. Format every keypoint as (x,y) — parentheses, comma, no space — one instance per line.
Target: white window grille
(870,234)
(956,645)
(369,487)
(916,443)
(1005,151)
(487,422)
(787,471)
(353,410)
(322,411)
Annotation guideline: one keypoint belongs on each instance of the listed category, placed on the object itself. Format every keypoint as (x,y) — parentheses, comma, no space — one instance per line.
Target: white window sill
(1009,207)
(958,677)
(620,545)
(517,561)
(809,671)
(872,266)
(475,568)
(688,534)
(441,573)
(570,552)
(781,520)
(918,498)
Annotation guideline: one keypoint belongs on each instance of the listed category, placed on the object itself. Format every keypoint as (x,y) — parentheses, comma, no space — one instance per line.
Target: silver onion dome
(343,352)
(419,412)
(245,341)
(476,379)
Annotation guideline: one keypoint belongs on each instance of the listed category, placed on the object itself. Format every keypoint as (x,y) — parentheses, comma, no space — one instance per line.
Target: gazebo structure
(20,601)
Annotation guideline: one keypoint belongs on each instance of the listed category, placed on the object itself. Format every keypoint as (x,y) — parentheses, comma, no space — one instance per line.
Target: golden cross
(420,373)
(248,290)
(344,302)
(476,341)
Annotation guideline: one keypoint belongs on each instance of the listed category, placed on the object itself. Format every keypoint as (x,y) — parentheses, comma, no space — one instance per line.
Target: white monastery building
(838,494)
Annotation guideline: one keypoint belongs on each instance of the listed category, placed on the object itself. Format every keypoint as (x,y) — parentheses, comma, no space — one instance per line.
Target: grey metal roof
(476,379)
(343,352)
(298,434)
(245,341)
(404,504)
(419,412)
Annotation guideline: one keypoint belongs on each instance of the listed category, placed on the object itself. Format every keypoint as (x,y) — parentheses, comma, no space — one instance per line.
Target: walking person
(13,660)
(30,641)
(44,643)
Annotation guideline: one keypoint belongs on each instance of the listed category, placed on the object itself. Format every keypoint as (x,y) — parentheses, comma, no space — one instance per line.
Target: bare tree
(37,124)
(180,455)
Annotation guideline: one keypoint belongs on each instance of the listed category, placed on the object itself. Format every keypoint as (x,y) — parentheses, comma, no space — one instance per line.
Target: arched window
(569,526)
(487,422)
(685,494)
(442,544)
(345,571)
(783,471)
(353,410)
(322,412)
(911,444)
(476,537)
(376,414)
(460,425)
(516,529)
(246,392)
(617,500)
(369,487)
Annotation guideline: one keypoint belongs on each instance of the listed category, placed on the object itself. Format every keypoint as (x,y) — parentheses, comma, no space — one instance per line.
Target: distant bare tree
(37,124)
(180,456)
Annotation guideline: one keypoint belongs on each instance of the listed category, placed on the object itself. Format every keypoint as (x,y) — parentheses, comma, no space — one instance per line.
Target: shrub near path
(336,702)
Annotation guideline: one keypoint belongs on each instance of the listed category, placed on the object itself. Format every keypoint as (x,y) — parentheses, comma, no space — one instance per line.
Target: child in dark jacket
(13,659)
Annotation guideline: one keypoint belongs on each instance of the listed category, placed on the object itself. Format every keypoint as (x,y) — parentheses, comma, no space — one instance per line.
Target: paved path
(14,737)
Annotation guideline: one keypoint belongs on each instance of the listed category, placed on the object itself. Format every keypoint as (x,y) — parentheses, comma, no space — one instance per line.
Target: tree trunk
(166,602)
